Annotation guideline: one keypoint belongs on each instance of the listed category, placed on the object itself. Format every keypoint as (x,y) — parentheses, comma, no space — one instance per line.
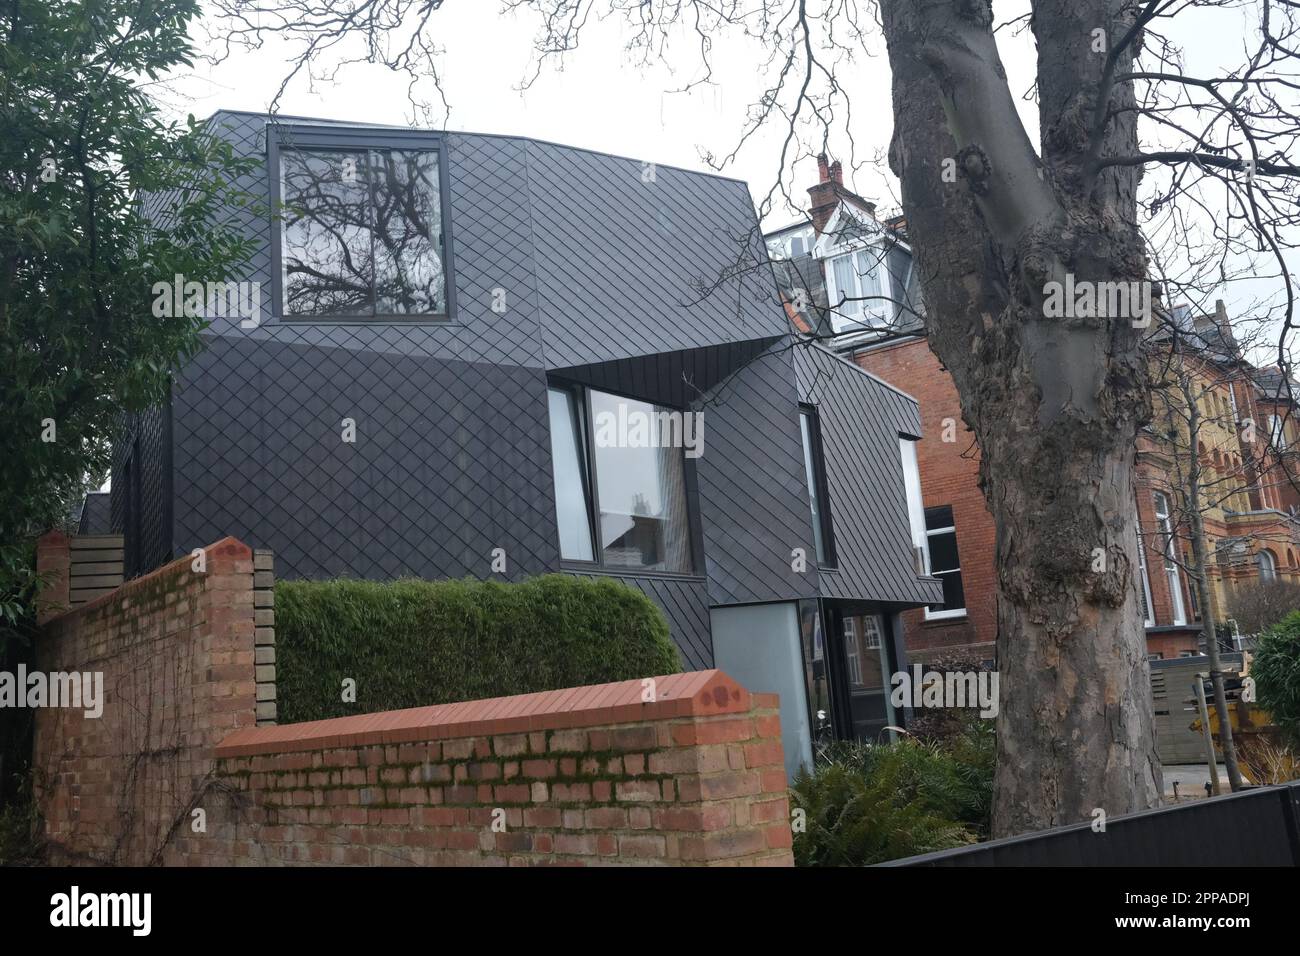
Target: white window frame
(950,612)
(1150,619)
(852,660)
(1164,525)
(873,636)
(915,504)
(850,310)
(870,239)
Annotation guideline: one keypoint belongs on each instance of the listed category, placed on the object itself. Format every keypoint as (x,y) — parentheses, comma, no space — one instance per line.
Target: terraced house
(454,338)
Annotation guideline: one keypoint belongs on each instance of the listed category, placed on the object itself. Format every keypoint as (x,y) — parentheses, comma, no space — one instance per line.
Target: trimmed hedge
(412,643)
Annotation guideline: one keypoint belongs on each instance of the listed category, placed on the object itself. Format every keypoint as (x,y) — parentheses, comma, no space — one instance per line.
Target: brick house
(1250,534)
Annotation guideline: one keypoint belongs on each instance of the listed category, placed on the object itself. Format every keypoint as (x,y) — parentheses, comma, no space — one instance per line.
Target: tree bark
(1055,403)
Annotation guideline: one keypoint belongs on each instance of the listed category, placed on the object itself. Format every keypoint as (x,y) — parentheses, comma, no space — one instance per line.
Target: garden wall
(683,770)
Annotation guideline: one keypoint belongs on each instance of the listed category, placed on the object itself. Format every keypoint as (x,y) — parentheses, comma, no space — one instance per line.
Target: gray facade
(566,266)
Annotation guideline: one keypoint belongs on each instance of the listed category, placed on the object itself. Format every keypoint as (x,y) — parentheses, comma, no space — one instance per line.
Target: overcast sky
(601,102)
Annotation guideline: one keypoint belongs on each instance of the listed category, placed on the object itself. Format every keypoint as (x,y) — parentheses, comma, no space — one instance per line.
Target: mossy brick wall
(584,776)
(176,650)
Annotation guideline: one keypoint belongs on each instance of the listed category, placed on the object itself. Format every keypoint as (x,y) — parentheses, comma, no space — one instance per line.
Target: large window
(626,486)
(856,298)
(361,234)
(815,475)
(1164,524)
(945,563)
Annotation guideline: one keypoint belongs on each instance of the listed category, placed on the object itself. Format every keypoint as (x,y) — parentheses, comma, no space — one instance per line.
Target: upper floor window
(945,563)
(1276,433)
(858,289)
(631,492)
(915,505)
(1165,528)
(815,474)
(1266,565)
(1144,585)
(361,234)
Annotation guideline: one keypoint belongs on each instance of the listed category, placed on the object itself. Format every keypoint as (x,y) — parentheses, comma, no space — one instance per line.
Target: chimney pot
(837,172)
(823,171)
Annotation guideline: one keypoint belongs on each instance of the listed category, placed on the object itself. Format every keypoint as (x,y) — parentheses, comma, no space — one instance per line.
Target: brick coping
(227,547)
(694,694)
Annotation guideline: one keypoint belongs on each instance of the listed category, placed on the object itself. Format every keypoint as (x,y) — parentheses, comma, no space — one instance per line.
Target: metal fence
(1257,827)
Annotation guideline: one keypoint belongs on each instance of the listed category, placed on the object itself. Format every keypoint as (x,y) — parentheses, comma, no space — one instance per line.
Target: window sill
(944,617)
(439,320)
(586,567)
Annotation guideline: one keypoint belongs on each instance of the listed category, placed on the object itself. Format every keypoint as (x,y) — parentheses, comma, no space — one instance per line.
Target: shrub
(21,843)
(872,803)
(937,725)
(413,643)
(1276,670)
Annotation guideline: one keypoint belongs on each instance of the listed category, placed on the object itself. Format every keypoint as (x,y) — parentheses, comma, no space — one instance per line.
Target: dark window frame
(941,612)
(694,529)
(830,560)
(288,137)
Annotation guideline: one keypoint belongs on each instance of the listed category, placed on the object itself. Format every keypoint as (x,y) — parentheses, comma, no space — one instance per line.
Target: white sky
(600,102)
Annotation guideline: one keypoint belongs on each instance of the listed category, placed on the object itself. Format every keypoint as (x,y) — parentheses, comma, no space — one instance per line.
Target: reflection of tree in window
(362,233)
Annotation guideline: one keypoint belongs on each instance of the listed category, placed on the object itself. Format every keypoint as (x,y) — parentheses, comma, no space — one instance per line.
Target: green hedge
(412,643)
(1276,669)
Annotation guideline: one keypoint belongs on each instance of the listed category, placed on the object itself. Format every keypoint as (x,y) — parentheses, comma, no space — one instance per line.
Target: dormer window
(361,234)
(858,292)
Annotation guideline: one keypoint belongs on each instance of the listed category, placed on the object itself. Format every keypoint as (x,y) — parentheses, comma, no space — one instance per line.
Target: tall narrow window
(815,474)
(1276,433)
(569,467)
(361,234)
(630,489)
(1193,597)
(1164,525)
(915,506)
(945,563)
(1266,565)
(1144,585)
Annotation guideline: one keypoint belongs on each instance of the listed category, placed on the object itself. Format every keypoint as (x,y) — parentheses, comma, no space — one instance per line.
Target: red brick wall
(949,476)
(586,776)
(175,771)
(175,648)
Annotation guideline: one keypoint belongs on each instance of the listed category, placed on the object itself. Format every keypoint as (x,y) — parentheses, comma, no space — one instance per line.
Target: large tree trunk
(1055,403)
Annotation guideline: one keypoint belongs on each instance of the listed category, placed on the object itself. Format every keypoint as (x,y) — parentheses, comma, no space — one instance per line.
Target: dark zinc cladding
(361,233)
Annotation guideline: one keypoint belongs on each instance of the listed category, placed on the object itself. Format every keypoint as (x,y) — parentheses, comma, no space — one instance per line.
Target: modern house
(466,354)
(848,276)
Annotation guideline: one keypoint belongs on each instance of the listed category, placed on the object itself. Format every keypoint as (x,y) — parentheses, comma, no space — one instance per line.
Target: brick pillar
(54,565)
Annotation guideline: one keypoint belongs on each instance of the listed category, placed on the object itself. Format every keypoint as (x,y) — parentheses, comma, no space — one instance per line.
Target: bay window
(619,504)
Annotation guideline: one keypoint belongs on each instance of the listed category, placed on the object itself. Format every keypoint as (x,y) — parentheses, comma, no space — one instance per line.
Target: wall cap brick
(694,694)
(221,556)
